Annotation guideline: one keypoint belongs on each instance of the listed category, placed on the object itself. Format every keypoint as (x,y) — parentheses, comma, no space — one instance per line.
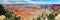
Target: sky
(29,1)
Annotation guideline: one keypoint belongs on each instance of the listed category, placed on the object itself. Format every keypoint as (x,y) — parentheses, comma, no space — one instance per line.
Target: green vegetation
(7,14)
(2,10)
(51,17)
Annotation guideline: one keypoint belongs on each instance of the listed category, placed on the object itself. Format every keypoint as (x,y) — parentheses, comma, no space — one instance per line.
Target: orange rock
(25,13)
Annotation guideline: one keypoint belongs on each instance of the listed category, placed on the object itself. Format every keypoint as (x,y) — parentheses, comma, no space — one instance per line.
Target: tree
(2,10)
(9,15)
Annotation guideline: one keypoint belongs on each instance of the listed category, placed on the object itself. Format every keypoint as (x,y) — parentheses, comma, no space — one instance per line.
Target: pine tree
(9,15)
(51,17)
(2,10)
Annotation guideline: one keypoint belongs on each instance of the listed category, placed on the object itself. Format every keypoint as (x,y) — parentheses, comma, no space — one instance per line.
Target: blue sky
(32,1)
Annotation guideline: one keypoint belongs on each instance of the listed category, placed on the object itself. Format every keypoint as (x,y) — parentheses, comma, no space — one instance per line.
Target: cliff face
(30,11)
(31,14)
